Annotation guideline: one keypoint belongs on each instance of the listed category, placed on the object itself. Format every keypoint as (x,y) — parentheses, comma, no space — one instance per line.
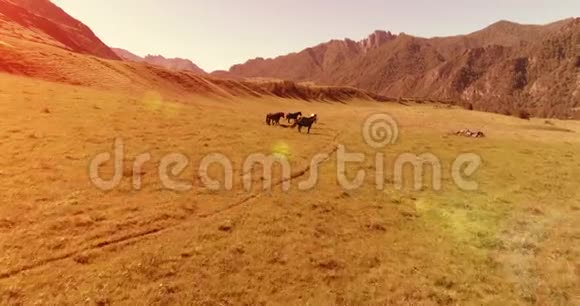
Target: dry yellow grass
(63,241)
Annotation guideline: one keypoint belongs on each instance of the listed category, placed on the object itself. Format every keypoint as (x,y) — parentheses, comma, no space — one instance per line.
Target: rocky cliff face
(376,40)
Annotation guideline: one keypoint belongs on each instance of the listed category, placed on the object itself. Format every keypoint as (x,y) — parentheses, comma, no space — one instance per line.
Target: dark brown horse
(293,116)
(274,118)
(306,122)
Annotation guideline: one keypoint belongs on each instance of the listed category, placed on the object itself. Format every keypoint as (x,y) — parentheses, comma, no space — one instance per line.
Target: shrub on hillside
(524,114)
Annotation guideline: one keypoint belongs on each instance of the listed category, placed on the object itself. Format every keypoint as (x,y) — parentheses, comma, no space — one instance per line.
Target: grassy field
(514,241)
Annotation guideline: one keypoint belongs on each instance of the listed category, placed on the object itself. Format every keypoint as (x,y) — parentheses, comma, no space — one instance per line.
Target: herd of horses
(299,120)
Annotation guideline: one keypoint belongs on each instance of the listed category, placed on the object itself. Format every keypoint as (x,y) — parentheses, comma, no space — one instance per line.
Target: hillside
(506,67)
(42,21)
(176,64)
(39,47)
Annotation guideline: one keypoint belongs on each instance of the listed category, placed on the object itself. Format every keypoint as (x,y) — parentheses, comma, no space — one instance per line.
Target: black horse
(274,118)
(306,122)
(293,116)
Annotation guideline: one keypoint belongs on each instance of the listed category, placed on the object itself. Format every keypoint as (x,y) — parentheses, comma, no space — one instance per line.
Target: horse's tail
(268,119)
(294,124)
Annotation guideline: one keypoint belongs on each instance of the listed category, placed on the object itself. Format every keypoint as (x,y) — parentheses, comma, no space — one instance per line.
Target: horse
(293,116)
(274,118)
(306,122)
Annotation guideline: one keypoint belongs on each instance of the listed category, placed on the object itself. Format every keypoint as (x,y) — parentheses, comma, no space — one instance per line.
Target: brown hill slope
(506,67)
(176,64)
(41,19)
(42,59)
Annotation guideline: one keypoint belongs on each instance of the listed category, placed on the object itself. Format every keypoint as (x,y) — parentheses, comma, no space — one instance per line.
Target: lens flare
(281,149)
(153,102)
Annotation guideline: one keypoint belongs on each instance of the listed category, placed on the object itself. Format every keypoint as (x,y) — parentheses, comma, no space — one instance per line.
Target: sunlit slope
(42,60)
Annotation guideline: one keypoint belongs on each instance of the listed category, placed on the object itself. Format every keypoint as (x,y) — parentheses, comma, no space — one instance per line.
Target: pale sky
(216,34)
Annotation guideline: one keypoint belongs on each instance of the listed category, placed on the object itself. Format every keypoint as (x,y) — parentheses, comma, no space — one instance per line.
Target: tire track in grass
(137,236)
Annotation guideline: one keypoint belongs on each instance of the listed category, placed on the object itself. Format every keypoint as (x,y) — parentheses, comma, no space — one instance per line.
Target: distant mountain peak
(174,63)
(159,60)
(376,39)
(127,55)
(505,22)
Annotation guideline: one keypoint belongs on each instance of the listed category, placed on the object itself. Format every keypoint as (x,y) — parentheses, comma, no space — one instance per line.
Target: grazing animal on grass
(294,116)
(274,118)
(306,122)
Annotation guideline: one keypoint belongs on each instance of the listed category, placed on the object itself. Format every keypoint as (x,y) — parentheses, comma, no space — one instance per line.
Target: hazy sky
(216,34)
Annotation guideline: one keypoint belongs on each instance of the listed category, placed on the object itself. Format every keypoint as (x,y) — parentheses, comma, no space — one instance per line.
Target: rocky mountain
(506,67)
(313,62)
(42,21)
(375,40)
(176,64)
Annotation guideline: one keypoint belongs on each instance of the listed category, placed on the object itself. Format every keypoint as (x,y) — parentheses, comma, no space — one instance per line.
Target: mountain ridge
(176,64)
(506,67)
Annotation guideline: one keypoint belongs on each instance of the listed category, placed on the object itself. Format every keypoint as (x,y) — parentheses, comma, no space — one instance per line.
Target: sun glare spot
(152,100)
(281,149)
